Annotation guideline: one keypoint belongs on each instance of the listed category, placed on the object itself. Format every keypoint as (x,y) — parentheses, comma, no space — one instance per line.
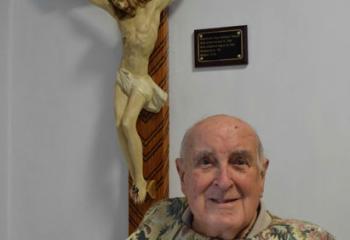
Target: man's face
(220,177)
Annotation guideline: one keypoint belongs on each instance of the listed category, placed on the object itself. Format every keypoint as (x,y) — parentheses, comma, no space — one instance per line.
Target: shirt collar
(263,221)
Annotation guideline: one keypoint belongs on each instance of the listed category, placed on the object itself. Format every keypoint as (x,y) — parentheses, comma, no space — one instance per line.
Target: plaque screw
(238,33)
(201,58)
(200,36)
(239,56)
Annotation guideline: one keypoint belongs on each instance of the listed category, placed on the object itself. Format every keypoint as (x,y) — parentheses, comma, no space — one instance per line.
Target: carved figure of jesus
(138,21)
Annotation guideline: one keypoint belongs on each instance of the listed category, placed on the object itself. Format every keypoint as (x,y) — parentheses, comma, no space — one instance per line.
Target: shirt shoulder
(280,229)
(163,219)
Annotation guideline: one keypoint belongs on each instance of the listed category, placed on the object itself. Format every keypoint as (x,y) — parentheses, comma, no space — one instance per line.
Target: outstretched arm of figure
(104,4)
(162,4)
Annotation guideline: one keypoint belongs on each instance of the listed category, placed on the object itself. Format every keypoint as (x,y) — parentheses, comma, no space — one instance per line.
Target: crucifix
(140,102)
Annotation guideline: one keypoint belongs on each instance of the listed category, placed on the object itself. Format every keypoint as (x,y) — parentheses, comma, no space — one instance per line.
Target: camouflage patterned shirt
(171,219)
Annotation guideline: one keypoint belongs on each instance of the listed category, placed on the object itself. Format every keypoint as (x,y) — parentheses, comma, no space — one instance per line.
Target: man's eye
(205,162)
(239,160)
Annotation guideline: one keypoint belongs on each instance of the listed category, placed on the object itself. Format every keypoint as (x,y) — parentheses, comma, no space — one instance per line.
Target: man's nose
(224,179)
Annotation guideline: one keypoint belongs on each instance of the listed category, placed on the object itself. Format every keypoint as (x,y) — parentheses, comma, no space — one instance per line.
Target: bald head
(225,123)
(222,160)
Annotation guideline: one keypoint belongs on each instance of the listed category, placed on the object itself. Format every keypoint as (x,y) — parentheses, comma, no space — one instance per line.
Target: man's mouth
(222,201)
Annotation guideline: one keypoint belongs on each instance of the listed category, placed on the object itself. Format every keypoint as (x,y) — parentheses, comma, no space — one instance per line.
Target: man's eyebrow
(200,154)
(243,153)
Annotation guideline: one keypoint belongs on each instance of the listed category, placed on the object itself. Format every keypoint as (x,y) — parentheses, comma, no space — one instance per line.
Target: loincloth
(154,95)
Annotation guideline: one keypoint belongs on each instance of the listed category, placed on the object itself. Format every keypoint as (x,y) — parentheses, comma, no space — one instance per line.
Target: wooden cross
(153,129)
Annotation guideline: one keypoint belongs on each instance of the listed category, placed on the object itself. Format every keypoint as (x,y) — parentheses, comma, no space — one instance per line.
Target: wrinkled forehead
(221,133)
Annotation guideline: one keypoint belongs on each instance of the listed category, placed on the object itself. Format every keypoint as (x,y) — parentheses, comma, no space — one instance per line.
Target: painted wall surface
(295,91)
(68,179)
(4,27)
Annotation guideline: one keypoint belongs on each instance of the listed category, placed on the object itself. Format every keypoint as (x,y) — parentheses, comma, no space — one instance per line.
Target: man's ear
(180,169)
(265,166)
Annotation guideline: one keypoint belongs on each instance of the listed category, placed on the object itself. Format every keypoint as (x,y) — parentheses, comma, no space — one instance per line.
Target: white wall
(295,91)
(67,178)
(4,27)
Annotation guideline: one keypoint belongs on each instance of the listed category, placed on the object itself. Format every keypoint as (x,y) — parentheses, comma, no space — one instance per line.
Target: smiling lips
(222,201)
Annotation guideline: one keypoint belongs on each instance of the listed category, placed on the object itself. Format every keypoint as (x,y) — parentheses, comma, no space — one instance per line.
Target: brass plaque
(221,46)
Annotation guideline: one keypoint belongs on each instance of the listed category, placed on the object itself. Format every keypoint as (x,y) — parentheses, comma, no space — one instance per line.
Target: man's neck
(260,221)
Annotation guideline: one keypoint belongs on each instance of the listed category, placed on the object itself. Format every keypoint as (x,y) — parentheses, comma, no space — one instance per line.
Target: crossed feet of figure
(138,192)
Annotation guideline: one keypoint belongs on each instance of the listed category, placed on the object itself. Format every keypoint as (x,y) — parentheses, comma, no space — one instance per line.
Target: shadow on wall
(105,159)
(61,5)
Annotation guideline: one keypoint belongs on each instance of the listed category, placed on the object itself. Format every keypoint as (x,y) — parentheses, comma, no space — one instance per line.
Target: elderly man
(222,171)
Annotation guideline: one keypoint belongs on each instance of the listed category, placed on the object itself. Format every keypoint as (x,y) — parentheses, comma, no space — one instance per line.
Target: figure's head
(127,8)
(222,170)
